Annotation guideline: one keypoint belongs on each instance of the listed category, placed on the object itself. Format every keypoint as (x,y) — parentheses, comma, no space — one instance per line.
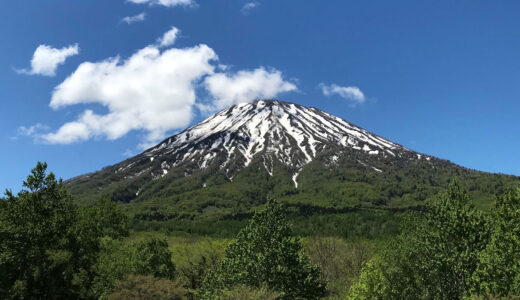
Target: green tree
(118,259)
(391,274)
(264,254)
(48,246)
(433,259)
(450,243)
(498,271)
(153,257)
(38,244)
(115,260)
(105,218)
(98,228)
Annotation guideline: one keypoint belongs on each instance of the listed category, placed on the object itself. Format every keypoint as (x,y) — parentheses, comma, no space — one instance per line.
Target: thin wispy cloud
(167,3)
(351,93)
(168,38)
(154,91)
(248,7)
(134,19)
(46,59)
(34,131)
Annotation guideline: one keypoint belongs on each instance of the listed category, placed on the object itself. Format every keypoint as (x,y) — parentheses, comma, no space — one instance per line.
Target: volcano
(240,156)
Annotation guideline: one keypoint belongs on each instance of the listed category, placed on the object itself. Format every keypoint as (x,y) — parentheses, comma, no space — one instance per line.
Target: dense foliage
(451,251)
(498,268)
(265,254)
(153,257)
(40,252)
(347,185)
(51,248)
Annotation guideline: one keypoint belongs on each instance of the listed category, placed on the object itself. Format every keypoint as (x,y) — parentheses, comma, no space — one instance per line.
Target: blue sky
(439,77)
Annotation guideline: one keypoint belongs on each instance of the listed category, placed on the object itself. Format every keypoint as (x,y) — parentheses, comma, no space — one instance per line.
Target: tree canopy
(265,254)
(52,249)
(451,251)
(39,246)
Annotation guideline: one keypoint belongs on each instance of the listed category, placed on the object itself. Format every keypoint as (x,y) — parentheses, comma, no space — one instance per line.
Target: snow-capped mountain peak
(289,133)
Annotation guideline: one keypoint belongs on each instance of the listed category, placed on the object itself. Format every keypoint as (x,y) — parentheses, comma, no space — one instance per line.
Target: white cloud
(154,90)
(167,3)
(244,86)
(46,59)
(246,9)
(168,37)
(223,67)
(351,93)
(31,131)
(133,19)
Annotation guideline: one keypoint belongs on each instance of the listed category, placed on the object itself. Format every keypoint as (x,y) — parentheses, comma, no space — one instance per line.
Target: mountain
(232,161)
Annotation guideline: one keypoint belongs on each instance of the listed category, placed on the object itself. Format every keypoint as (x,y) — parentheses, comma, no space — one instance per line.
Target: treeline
(451,251)
(51,248)
(207,195)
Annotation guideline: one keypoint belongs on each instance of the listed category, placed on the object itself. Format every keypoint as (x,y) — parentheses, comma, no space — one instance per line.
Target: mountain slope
(285,132)
(235,159)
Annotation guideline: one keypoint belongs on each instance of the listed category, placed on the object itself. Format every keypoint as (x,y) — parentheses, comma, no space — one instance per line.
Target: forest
(53,247)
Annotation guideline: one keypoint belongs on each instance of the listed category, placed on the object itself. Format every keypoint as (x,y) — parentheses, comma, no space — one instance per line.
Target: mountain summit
(236,158)
(266,130)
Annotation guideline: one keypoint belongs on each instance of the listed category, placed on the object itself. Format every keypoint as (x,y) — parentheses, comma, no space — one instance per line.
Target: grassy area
(340,259)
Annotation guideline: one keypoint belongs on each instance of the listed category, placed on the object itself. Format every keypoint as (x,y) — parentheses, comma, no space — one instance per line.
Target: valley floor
(340,259)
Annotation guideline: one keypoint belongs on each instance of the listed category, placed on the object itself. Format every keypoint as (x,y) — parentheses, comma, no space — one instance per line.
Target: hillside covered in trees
(449,249)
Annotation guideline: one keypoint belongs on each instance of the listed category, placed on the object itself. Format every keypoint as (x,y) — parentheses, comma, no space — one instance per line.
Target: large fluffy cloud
(167,3)
(46,59)
(154,91)
(351,93)
(229,89)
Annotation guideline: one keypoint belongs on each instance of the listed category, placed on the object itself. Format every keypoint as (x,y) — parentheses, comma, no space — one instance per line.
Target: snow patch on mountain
(269,131)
